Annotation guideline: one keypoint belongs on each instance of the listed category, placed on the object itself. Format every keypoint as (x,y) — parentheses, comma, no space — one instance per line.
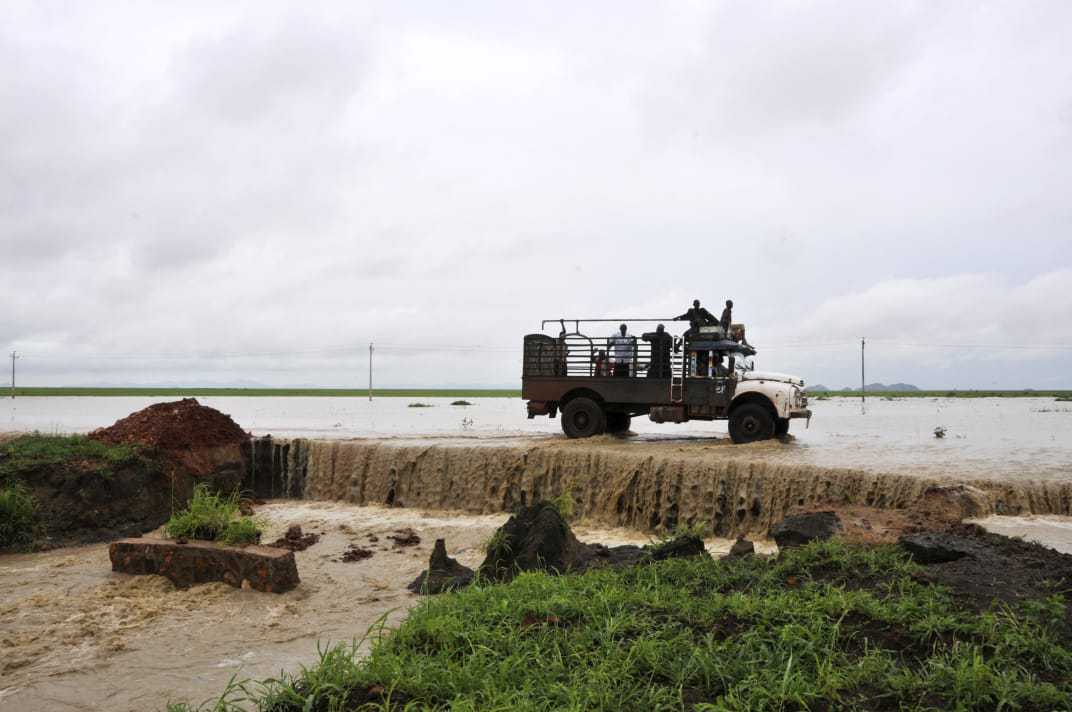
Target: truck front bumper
(802,413)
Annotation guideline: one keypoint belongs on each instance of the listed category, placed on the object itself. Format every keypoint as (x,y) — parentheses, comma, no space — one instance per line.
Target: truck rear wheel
(618,422)
(750,422)
(583,418)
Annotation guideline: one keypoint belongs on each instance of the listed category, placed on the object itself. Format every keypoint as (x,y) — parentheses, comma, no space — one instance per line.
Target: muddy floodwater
(75,636)
(1010,438)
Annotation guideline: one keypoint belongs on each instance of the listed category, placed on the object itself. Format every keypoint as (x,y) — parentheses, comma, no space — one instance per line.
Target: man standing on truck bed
(697,317)
(621,352)
(661,343)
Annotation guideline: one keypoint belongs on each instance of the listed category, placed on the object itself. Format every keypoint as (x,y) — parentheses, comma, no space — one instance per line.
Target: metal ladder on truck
(677,383)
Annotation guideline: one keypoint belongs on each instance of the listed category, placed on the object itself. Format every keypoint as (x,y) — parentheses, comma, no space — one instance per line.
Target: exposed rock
(952,503)
(443,573)
(405,537)
(260,567)
(799,529)
(535,538)
(740,549)
(938,548)
(295,540)
(679,548)
(355,553)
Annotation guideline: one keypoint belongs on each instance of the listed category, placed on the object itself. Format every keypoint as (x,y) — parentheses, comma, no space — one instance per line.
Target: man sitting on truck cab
(621,352)
(697,317)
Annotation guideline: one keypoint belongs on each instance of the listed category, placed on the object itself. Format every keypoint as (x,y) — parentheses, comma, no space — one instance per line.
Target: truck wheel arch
(753,397)
(579,393)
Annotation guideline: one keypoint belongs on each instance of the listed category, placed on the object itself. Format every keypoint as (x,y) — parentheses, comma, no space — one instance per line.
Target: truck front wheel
(781,427)
(583,418)
(750,422)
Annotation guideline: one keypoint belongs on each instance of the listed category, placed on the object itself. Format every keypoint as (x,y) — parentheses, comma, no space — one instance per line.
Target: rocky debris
(443,573)
(740,549)
(295,540)
(404,537)
(938,508)
(679,547)
(799,529)
(174,426)
(355,553)
(937,548)
(537,538)
(258,567)
(949,504)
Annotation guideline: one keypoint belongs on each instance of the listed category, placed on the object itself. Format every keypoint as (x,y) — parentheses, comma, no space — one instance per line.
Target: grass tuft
(212,517)
(18,517)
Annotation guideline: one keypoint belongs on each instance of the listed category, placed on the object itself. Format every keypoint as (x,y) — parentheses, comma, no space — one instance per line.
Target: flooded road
(985,437)
(75,636)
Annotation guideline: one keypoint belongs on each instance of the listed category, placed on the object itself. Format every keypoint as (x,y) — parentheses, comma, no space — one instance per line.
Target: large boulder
(536,538)
(443,573)
(262,568)
(799,529)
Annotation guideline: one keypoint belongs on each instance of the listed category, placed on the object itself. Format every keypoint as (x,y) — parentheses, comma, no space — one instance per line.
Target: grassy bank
(828,626)
(27,459)
(30,392)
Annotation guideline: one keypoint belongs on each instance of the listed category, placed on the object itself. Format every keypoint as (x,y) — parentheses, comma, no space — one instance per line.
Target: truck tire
(750,422)
(618,422)
(583,418)
(781,427)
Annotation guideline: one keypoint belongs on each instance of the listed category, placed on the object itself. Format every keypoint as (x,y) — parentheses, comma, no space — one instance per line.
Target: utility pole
(370,371)
(863,381)
(14,355)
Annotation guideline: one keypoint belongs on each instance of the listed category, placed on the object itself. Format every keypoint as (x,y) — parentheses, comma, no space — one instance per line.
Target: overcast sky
(207,192)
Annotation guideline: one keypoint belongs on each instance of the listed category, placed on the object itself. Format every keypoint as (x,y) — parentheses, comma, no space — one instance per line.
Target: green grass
(827,626)
(33,391)
(29,453)
(213,517)
(17,517)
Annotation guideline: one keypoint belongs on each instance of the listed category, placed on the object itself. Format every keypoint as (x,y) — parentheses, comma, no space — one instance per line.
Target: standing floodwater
(984,437)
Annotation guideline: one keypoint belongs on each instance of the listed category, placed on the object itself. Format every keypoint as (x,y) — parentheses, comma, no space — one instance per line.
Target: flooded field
(76,636)
(987,437)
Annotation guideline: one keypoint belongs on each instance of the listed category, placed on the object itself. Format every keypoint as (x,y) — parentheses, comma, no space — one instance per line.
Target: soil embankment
(125,479)
(643,486)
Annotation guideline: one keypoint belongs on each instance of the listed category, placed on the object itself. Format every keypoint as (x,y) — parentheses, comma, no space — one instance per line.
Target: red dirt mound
(178,425)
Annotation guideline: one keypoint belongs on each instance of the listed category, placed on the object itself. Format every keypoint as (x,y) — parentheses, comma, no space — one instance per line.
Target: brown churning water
(647,486)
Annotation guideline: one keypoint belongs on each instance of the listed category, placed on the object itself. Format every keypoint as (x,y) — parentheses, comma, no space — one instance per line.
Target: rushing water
(985,437)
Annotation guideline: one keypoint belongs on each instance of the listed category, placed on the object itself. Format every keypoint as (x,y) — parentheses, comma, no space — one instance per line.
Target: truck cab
(599,384)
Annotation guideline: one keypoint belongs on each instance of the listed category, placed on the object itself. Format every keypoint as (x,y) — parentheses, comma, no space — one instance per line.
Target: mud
(980,567)
(76,636)
(654,487)
(177,425)
(295,539)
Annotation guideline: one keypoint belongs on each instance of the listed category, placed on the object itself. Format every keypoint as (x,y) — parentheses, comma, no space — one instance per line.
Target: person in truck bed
(621,352)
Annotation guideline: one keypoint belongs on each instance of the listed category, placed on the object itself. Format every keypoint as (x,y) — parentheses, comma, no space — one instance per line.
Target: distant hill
(884,387)
(818,388)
